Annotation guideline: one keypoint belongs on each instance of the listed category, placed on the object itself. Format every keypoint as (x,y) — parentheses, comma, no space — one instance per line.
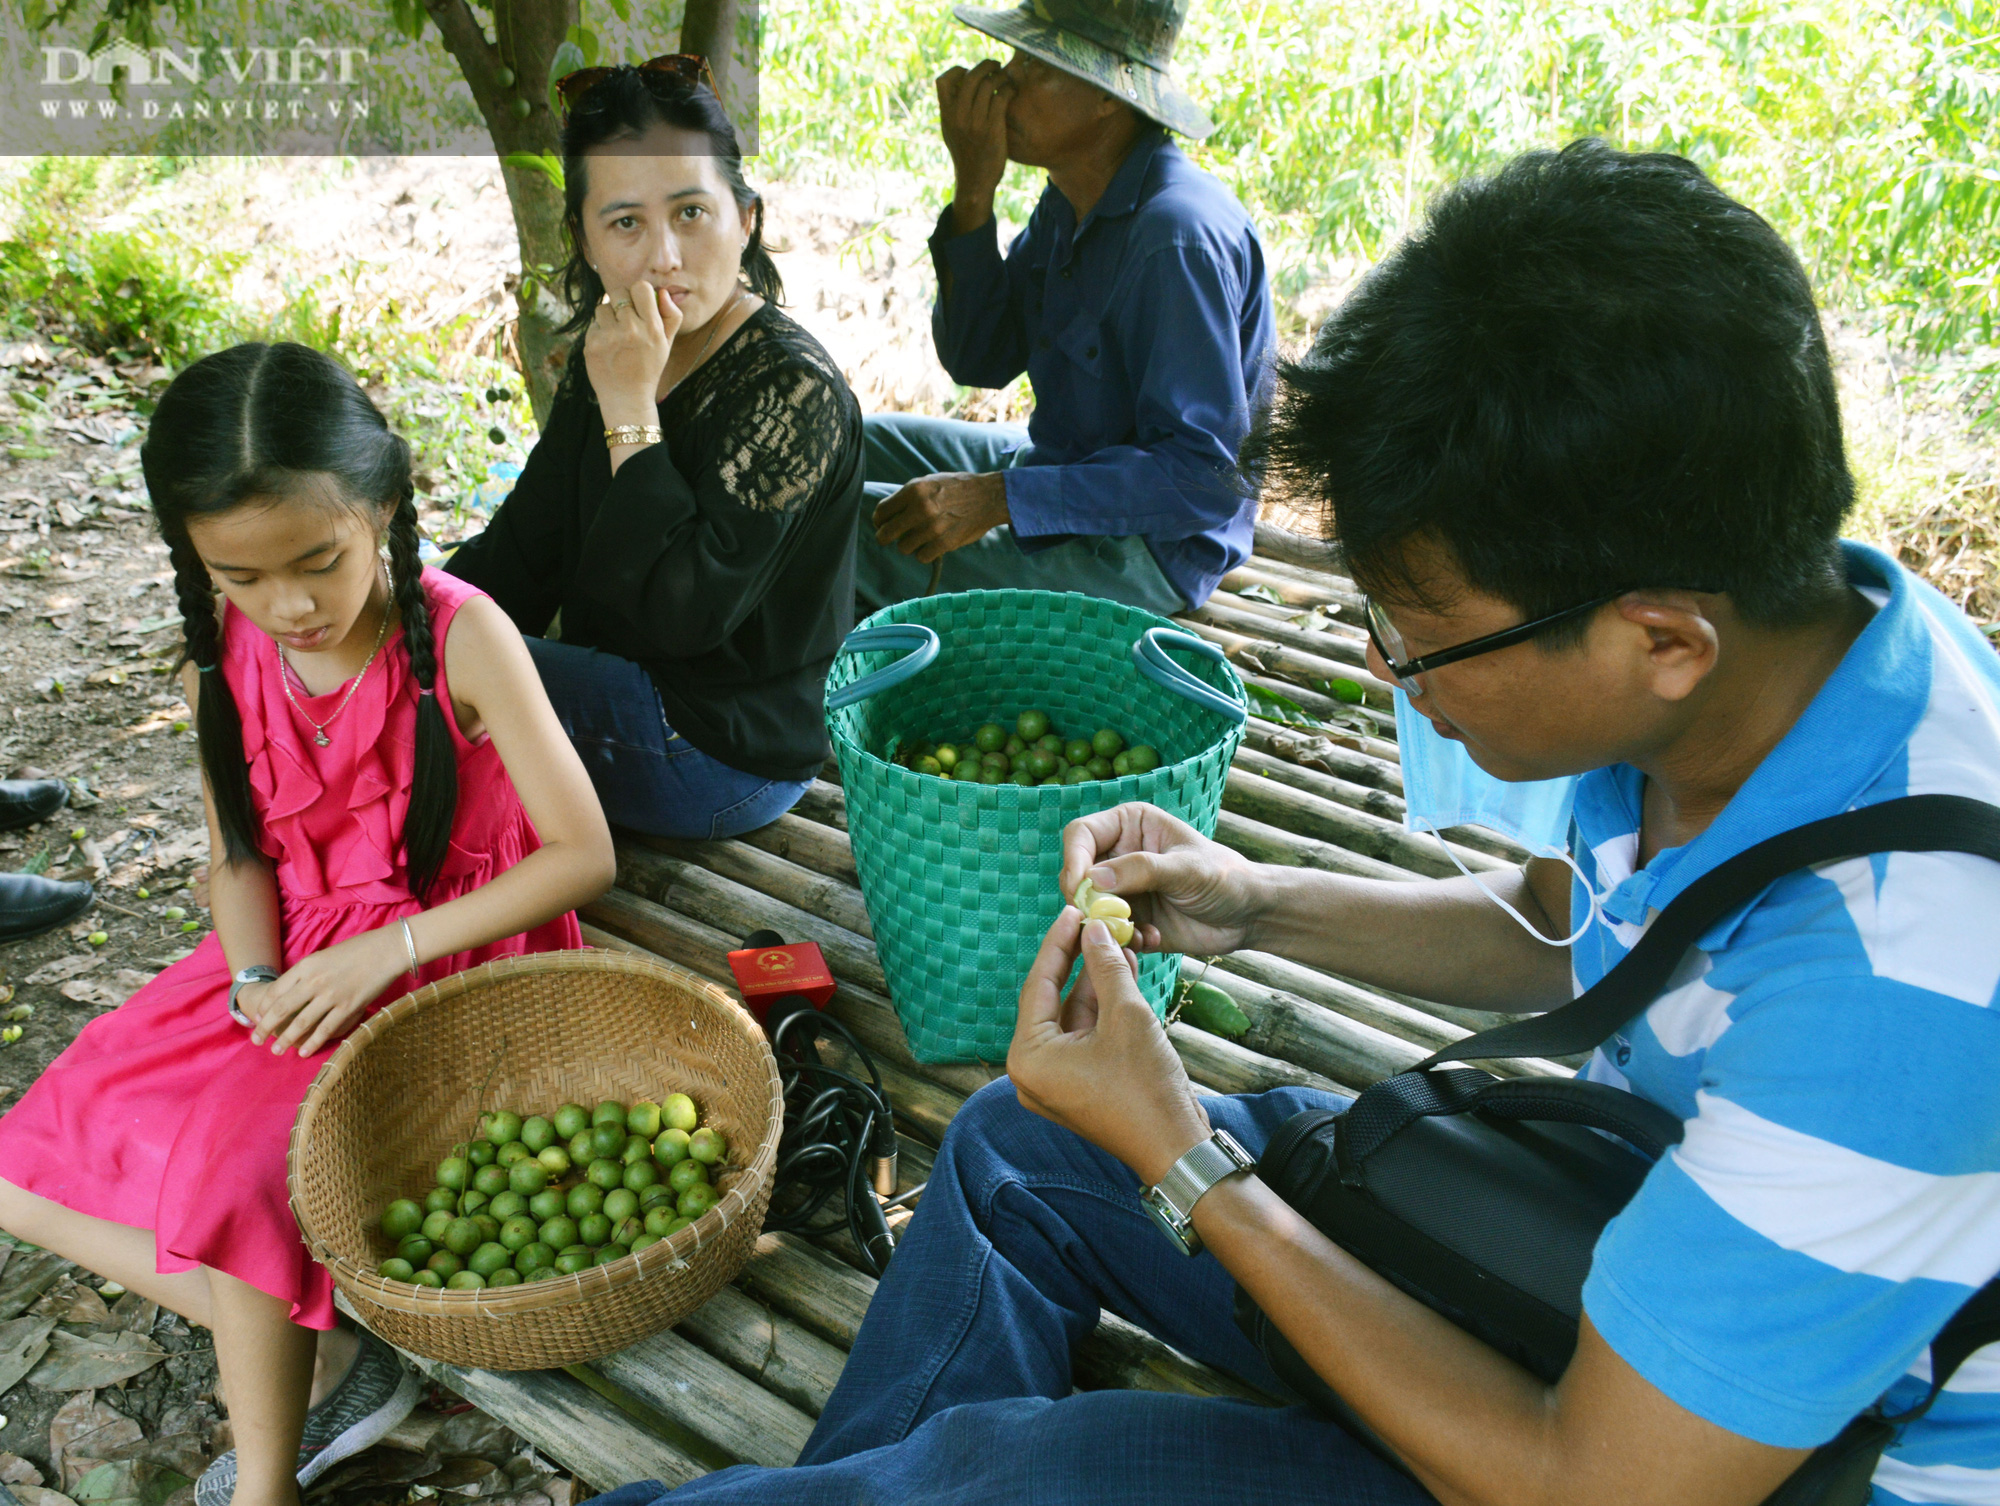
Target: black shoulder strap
(1915,823)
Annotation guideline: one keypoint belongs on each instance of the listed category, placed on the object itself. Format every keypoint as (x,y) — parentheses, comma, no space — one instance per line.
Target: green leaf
(622,9)
(39,863)
(1347,692)
(568,58)
(1257,591)
(543,162)
(586,39)
(1274,707)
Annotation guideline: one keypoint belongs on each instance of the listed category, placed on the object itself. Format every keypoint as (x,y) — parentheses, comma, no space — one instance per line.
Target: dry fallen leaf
(95,992)
(79,1362)
(36,1495)
(64,967)
(27,1274)
(83,1425)
(14,1470)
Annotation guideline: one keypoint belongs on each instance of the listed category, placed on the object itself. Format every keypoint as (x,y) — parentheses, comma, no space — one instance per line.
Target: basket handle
(1150,654)
(922,643)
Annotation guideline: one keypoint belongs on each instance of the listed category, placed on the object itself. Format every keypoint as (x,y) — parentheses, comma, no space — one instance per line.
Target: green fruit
(396,1269)
(671,1148)
(620,1204)
(570,1118)
(926,765)
(1031,725)
(1207,1007)
(681,1221)
(1041,763)
(436,1223)
(593,1230)
(607,1140)
(659,1221)
(488,1225)
(609,1112)
(1099,766)
(527,1177)
(611,1252)
(466,1281)
(655,1195)
(643,1118)
(991,775)
(605,1173)
(519,1232)
(520,109)
(531,1258)
(1106,744)
(574,1259)
(1078,750)
(644,1241)
(445,1264)
(512,1152)
(427,1278)
(707,1146)
(583,1200)
(1121,765)
(1143,758)
(635,1151)
(625,1230)
(462,1237)
(505,1276)
(439,1198)
(401,1217)
(549,1203)
(968,769)
(1024,777)
(507,1205)
(482,1152)
(537,1134)
(990,738)
(452,1173)
(488,1258)
(689,1173)
(580,1147)
(502,1127)
(680,1113)
(558,1233)
(470,1203)
(491,1179)
(415,1248)
(697,1200)
(1014,747)
(555,1160)
(640,1175)
(1078,774)
(503,77)
(947,756)
(1051,742)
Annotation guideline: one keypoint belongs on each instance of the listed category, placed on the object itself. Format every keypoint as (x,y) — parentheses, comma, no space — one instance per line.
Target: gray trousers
(902,447)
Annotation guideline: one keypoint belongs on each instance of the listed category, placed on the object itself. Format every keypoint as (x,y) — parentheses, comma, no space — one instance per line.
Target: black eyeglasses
(1389,643)
(686,68)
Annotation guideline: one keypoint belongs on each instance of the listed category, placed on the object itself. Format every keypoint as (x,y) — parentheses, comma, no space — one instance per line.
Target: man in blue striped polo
(1579,440)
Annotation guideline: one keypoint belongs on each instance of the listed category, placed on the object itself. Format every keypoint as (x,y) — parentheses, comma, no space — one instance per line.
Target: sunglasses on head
(687,68)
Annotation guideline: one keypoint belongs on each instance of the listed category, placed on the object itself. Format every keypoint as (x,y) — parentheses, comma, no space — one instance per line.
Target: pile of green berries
(552,1195)
(1033,753)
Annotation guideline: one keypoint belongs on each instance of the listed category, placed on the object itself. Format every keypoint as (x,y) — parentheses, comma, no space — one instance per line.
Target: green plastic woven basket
(961,878)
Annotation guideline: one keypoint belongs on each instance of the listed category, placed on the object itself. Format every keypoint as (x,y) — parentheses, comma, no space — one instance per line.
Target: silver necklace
(285,673)
(714,325)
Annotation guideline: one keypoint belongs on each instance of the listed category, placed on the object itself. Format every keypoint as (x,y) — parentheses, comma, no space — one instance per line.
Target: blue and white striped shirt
(1834,1050)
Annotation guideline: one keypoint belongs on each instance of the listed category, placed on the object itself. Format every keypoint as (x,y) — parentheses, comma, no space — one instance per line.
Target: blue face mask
(1443,787)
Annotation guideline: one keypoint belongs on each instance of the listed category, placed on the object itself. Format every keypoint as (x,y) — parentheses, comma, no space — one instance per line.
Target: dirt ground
(121,1407)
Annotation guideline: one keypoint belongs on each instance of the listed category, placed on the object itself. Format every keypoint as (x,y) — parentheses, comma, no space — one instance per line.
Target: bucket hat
(1122,46)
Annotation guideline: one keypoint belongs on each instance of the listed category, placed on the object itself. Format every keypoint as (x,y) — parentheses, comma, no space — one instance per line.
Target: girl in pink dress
(390,800)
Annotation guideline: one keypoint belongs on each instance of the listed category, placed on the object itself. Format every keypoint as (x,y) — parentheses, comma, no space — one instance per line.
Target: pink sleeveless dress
(161,1115)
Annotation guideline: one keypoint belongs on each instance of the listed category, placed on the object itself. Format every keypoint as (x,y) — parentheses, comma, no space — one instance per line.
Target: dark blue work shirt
(1147,334)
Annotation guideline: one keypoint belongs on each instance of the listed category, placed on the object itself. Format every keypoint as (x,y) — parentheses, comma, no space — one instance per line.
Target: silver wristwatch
(260,973)
(1172,1201)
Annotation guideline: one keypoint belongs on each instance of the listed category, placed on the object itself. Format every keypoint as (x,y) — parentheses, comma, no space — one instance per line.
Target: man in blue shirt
(1137,303)
(1580,442)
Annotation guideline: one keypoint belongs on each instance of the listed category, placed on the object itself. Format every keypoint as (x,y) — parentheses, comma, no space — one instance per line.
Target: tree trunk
(726,33)
(528,33)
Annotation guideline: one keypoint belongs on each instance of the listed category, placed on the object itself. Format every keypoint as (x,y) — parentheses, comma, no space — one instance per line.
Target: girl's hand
(625,350)
(324,997)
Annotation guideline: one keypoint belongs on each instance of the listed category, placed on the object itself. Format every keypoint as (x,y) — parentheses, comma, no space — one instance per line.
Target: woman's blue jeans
(648,777)
(960,1388)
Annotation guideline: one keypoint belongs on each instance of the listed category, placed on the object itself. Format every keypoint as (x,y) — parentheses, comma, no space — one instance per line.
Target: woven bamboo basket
(550,1028)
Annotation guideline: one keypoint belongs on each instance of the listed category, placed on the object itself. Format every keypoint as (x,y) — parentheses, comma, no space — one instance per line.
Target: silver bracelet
(410,944)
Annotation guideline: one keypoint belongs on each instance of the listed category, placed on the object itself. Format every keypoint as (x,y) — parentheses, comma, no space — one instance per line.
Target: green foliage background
(1868,132)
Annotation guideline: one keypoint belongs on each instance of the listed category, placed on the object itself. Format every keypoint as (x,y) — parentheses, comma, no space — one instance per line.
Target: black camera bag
(1483,1197)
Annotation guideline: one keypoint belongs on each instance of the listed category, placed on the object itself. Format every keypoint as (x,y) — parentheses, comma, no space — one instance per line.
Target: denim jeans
(959,1388)
(648,777)
(902,447)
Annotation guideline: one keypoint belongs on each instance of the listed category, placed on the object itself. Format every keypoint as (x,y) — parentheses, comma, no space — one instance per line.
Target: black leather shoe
(23,802)
(31,904)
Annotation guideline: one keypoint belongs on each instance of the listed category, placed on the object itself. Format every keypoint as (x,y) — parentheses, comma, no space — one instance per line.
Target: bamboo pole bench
(743,1379)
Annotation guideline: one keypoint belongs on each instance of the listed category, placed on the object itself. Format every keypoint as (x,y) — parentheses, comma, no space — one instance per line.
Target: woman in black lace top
(690,507)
